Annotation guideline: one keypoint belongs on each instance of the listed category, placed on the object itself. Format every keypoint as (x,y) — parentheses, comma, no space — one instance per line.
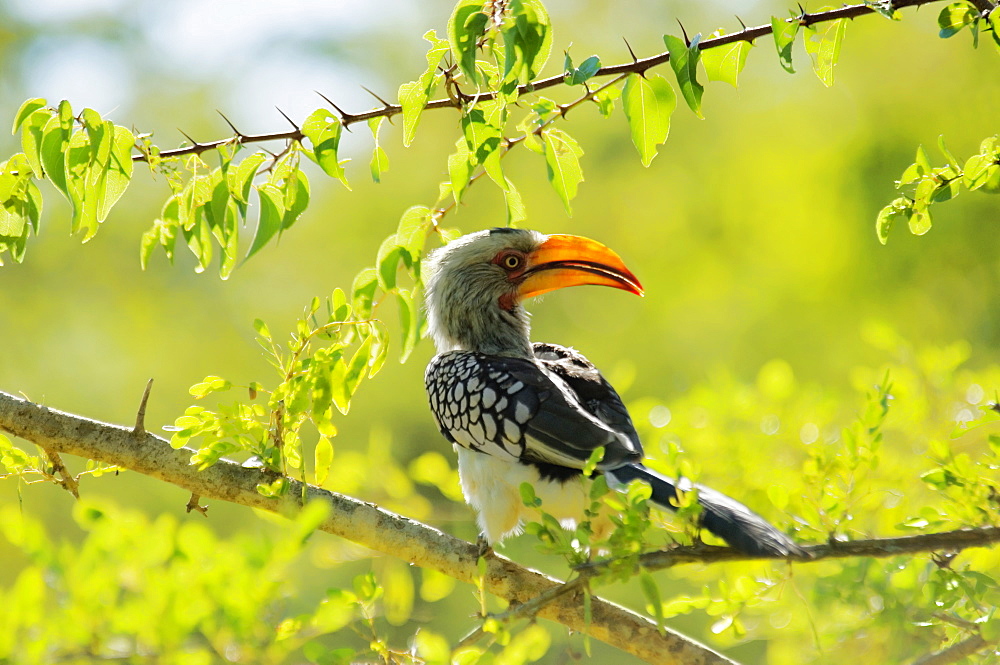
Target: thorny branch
(531,593)
(637,66)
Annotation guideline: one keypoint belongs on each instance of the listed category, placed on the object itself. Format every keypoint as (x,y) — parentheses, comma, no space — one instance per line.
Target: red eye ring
(510,260)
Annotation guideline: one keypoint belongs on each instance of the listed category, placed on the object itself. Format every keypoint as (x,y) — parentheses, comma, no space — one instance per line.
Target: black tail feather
(727,518)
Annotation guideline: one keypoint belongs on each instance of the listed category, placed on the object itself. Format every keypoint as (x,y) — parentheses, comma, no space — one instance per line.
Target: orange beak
(565,260)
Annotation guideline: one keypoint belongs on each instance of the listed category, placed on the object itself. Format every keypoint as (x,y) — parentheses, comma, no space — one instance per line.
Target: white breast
(492,486)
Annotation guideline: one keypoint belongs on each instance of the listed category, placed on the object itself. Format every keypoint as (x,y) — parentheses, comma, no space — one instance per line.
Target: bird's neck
(490,330)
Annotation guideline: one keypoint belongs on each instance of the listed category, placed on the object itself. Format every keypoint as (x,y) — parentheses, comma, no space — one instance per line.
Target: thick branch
(954,653)
(636,66)
(361,522)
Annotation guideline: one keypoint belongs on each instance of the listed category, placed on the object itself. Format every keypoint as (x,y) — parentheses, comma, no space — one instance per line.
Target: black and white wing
(520,409)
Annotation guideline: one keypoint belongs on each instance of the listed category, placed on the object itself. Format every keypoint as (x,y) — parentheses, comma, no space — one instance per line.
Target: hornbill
(521,412)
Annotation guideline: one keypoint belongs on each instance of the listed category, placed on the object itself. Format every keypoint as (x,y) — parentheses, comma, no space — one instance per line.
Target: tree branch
(878,548)
(637,66)
(955,652)
(361,522)
(533,593)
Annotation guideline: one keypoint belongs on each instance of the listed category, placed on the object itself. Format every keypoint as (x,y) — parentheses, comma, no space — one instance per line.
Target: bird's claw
(483,547)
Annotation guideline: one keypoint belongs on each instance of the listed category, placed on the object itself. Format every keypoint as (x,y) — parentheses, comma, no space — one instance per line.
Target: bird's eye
(511,262)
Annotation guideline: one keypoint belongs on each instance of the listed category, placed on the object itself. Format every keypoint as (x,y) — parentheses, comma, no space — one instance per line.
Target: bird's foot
(484,548)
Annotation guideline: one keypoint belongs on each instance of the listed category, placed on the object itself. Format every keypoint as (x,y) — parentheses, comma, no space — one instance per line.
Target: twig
(955,540)
(636,66)
(955,652)
(69,482)
(194,503)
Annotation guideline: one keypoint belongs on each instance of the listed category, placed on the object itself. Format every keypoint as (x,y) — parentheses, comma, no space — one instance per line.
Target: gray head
(475,284)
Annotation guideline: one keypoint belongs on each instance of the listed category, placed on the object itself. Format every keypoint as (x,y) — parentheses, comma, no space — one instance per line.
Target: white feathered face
(477,282)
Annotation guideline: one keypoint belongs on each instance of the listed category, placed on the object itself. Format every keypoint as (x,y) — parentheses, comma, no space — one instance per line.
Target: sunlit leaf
(823,46)
(562,157)
(465,28)
(954,17)
(527,35)
(784,31)
(323,456)
(323,129)
(648,103)
(413,96)
(579,75)
(409,321)
(27,108)
(724,63)
(380,160)
(684,62)
(272,210)
(241,178)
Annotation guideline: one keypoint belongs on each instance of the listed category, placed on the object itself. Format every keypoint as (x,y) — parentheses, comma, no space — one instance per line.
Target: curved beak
(566,260)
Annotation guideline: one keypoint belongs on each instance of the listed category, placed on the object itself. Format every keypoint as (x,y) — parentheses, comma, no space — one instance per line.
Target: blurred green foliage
(757,362)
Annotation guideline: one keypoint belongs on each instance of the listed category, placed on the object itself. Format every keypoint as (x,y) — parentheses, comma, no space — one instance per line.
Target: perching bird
(521,412)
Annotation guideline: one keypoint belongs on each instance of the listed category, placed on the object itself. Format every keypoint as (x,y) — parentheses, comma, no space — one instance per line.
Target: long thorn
(631,52)
(687,42)
(188,137)
(238,133)
(744,25)
(140,416)
(343,114)
(290,121)
(384,103)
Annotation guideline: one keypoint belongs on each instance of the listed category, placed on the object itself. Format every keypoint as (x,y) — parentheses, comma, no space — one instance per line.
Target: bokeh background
(752,231)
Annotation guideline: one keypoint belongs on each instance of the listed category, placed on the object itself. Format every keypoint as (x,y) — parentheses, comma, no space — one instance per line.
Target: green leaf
(724,63)
(240,179)
(580,75)
(109,177)
(901,207)
(409,322)
(528,496)
(684,62)
(32,130)
(54,145)
(296,198)
(388,258)
(920,222)
(954,17)
(482,131)
(465,27)
(323,129)
(380,354)
(978,170)
(652,594)
(411,232)
(527,36)
(323,456)
(81,189)
(413,96)
(516,212)
(208,385)
(952,161)
(784,31)
(605,100)
(823,46)
(356,368)
(27,108)
(648,103)
(562,157)
(363,292)
(380,160)
(459,169)
(272,210)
